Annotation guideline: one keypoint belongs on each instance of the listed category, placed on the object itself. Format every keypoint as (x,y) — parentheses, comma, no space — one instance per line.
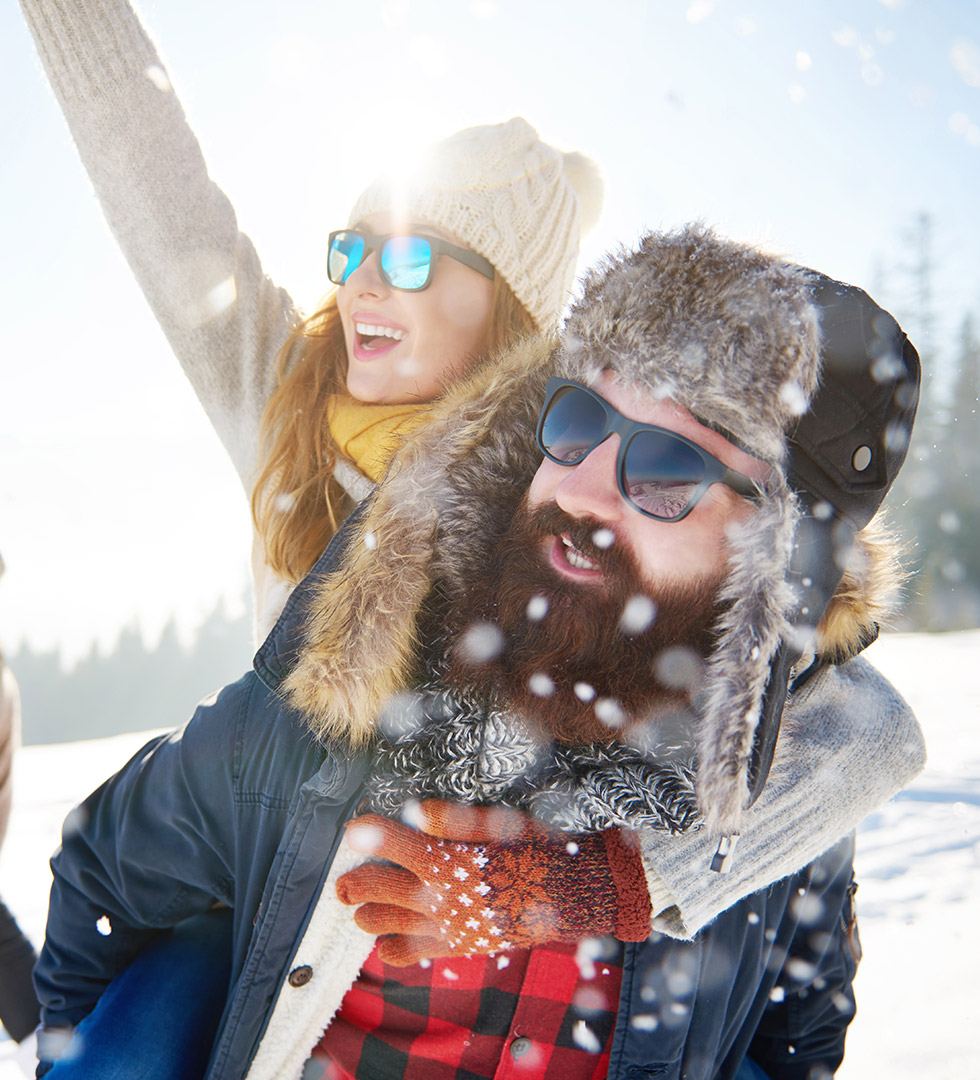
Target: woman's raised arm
(223,318)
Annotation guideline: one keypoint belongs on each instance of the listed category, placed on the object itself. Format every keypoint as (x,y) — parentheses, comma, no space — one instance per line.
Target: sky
(821,131)
(917,862)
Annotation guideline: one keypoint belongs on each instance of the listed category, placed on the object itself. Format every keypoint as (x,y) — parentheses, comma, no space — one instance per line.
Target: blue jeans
(18,1005)
(748,1070)
(158,1018)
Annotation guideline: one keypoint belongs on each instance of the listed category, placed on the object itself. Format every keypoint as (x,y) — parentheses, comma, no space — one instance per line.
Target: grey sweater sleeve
(223,318)
(848,743)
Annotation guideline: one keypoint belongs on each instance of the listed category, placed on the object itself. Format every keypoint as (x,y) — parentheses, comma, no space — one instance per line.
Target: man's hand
(488,879)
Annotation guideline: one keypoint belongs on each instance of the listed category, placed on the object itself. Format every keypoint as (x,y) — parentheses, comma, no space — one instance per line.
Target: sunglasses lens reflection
(406,261)
(344,257)
(573,426)
(661,474)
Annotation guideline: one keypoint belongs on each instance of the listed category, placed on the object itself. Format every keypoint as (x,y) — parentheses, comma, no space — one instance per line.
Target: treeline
(936,502)
(133,687)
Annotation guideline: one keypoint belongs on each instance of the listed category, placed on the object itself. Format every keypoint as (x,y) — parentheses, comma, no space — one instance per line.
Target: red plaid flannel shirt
(527,1013)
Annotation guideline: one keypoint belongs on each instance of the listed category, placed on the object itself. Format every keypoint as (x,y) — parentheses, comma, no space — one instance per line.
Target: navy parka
(242,806)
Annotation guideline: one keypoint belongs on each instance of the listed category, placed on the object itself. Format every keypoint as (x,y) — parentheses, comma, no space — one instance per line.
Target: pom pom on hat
(512,198)
(584,176)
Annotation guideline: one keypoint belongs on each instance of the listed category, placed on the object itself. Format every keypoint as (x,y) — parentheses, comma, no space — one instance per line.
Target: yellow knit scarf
(369,434)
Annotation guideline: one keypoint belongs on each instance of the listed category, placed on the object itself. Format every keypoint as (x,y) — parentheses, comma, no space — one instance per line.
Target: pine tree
(922,476)
(958,510)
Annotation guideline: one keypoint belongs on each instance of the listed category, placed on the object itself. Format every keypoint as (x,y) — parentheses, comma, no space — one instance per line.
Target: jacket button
(519,1047)
(300,976)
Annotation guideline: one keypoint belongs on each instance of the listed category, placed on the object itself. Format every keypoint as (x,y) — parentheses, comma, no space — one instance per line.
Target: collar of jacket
(278,654)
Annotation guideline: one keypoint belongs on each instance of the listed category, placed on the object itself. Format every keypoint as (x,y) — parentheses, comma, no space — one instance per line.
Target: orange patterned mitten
(488,879)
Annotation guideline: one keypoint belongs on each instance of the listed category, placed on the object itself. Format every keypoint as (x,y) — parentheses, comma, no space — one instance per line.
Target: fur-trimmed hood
(731,334)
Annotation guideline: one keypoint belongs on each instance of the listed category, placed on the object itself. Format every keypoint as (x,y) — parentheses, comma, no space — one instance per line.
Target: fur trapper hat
(801,371)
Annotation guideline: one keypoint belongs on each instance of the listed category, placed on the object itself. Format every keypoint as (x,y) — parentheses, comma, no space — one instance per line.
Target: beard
(581,662)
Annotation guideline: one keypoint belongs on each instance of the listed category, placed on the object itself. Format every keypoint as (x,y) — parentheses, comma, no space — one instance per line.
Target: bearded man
(548,696)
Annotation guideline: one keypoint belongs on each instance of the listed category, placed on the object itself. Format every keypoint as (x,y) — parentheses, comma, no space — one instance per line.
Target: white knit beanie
(513,199)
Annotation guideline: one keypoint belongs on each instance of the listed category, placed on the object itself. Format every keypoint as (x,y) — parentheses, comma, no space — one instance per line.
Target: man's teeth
(367,330)
(575,558)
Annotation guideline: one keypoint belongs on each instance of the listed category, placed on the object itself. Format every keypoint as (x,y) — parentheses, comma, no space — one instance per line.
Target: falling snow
(638,614)
(585,1037)
(537,608)
(610,712)
(645,1022)
(792,398)
(541,684)
(159,78)
(679,667)
(964,55)
(216,300)
(583,691)
(481,642)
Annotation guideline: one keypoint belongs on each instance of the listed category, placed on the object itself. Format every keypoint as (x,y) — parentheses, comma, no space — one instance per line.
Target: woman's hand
(488,879)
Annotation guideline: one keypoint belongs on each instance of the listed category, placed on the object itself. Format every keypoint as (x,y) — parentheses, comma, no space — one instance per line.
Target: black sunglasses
(660,473)
(405,261)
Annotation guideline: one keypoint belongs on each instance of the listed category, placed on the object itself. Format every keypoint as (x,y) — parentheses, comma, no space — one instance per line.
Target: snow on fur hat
(804,372)
(510,197)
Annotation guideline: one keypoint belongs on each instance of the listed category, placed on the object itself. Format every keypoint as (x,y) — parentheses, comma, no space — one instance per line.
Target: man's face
(665,552)
(598,605)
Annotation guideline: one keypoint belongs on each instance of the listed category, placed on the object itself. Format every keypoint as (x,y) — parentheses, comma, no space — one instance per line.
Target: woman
(482,252)
(495,191)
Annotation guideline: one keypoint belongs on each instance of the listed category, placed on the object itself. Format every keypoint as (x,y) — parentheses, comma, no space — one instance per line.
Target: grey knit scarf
(438,744)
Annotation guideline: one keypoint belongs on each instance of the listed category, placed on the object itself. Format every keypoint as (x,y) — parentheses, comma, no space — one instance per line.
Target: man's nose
(590,489)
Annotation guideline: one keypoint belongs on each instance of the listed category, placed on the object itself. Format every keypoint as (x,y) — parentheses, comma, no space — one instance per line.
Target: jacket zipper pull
(721,863)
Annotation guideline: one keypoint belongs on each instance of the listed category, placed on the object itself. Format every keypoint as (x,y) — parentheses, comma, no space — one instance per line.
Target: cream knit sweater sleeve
(848,743)
(9,741)
(223,318)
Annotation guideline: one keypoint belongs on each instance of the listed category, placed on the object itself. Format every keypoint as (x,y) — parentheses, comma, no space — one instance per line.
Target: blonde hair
(297,505)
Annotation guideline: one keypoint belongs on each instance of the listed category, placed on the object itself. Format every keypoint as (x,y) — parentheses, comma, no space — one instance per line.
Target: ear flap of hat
(750,633)
(814,574)
(845,453)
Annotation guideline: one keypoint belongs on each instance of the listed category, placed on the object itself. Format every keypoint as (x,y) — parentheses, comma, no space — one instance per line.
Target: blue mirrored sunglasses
(404,261)
(660,473)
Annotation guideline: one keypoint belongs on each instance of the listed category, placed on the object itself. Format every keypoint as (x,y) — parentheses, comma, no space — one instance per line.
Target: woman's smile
(375,334)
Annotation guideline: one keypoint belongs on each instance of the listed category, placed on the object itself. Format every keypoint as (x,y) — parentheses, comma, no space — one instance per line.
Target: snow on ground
(918,864)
